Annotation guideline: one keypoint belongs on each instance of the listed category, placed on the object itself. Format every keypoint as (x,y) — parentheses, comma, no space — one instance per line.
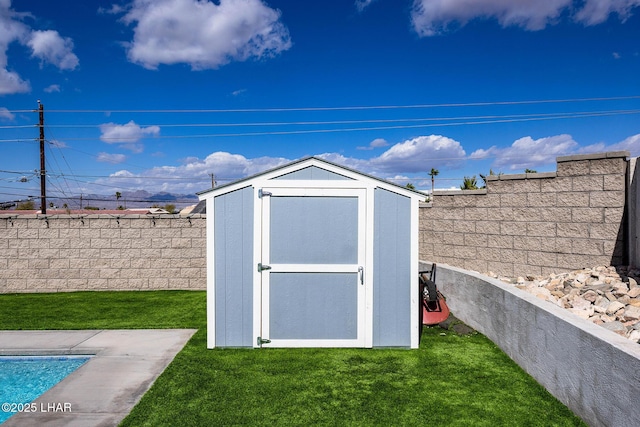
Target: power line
(168,178)
(341,122)
(374,128)
(98,199)
(348,108)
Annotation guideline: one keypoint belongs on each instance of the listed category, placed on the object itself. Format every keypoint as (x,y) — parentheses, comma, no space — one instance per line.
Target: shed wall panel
(392,270)
(233,241)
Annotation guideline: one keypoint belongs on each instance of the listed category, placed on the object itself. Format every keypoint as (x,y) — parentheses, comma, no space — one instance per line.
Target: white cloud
(376,143)
(113,10)
(57,143)
(396,164)
(111,158)
(10,83)
(431,17)
(363,4)
(11,29)
(230,166)
(420,154)
(203,34)
(49,46)
(400,179)
(128,134)
(227,167)
(631,144)
(349,162)
(123,173)
(597,11)
(52,88)
(527,152)
(5,114)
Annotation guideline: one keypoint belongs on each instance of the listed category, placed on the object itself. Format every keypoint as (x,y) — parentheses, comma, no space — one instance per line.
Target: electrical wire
(499,119)
(346,108)
(340,122)
(57,173)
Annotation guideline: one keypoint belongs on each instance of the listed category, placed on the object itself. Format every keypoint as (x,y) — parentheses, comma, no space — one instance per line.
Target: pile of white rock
(607,296)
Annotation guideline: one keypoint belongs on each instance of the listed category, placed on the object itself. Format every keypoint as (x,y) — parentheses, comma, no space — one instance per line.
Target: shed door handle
(361,272)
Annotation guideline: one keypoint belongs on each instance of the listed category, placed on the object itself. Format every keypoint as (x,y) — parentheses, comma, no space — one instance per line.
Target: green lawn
(451,380)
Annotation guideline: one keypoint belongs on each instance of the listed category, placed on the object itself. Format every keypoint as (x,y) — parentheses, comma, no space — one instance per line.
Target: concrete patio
(123,366)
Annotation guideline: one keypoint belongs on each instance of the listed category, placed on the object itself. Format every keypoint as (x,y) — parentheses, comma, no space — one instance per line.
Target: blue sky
(157,95)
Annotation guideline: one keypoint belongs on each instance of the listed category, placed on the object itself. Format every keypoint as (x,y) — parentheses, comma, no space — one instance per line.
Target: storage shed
(312,254)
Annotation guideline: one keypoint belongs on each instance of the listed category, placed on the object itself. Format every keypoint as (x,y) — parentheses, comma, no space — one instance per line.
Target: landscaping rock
(590,296)
(632,313)
(605,295)
(614,307)
(616,327)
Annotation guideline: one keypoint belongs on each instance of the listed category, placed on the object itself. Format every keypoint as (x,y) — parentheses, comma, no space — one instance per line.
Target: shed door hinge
(262,267)
(262,341)
(262,193)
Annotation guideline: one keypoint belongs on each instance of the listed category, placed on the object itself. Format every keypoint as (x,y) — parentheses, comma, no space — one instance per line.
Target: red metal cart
(434,306)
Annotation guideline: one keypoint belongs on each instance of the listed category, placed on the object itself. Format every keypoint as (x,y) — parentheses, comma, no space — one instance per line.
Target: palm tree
(434,172)
(469,183)
(484,178)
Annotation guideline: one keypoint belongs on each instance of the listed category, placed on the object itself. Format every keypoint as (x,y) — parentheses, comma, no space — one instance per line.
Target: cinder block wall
(519,225)
(533,223)
(98,252)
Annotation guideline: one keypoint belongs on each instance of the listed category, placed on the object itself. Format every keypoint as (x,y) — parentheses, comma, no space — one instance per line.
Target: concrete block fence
(532,224)
(101,252)
(582,215)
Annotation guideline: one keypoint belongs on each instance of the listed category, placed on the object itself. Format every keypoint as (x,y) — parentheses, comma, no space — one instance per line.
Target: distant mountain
(128,199)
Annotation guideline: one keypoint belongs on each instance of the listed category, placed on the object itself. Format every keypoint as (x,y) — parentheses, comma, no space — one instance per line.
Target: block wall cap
(459,192)
(593,156)
(101,216)
(507,177)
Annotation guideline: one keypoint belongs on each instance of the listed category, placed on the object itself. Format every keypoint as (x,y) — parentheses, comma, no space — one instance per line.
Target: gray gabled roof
(301,162)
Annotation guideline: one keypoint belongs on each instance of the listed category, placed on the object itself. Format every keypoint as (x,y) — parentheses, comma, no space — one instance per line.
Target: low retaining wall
(592,370)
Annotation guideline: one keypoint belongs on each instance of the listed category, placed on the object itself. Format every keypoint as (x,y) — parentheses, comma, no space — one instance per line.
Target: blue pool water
(24,378)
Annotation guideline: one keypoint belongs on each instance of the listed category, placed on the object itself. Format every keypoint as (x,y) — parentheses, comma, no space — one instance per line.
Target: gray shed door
(313,252)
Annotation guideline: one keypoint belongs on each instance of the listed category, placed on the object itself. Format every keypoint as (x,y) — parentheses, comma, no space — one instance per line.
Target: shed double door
(313,268)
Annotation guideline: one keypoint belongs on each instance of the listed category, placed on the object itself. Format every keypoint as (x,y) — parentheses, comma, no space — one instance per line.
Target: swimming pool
(24,378)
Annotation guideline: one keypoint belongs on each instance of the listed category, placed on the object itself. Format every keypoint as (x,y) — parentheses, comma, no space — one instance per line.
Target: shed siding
(313,173)
(392,270)
(233,240)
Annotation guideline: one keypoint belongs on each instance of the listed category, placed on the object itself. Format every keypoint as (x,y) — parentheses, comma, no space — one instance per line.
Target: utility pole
(213,180)
(43,175)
